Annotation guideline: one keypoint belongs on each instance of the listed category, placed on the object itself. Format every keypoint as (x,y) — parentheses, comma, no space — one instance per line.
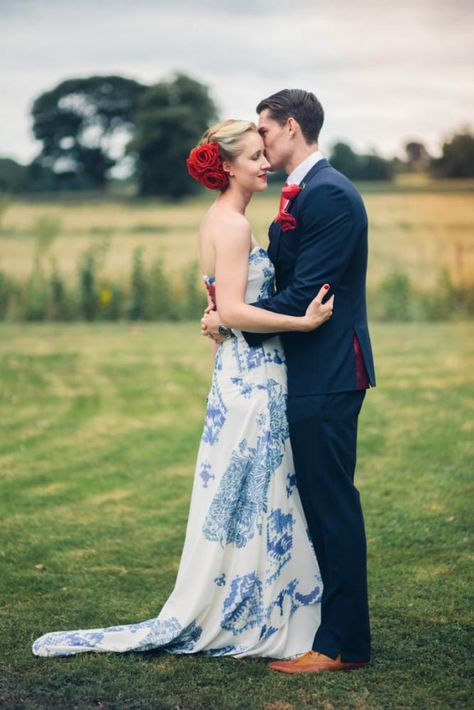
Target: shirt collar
(296,176)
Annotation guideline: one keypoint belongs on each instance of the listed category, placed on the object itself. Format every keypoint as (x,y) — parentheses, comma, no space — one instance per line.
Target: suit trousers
(323,433)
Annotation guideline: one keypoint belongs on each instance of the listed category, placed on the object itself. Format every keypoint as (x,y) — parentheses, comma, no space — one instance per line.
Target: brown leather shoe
(315,662)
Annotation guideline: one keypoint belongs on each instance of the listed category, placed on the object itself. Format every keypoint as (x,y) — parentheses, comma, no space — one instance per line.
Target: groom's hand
(210,324)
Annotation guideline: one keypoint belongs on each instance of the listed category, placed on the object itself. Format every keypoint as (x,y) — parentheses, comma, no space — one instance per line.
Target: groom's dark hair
(300,105)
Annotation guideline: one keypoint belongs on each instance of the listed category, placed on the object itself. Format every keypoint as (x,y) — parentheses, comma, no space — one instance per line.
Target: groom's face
(277,141)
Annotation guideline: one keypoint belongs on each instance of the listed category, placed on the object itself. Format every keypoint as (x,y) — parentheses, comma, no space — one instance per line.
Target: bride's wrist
(305,323)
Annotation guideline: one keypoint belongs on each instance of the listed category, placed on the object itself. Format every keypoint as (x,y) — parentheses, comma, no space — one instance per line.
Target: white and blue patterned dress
(248,582)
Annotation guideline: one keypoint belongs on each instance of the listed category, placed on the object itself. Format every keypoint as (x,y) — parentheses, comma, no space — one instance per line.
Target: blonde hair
(228,134)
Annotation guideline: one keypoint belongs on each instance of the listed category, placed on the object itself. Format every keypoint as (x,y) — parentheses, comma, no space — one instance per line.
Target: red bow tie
(287,221)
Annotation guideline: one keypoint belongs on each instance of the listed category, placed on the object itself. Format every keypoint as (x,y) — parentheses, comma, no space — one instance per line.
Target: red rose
(214,179)
(205,165)
(192,170)
(287,221)
(204,156)
(289,192)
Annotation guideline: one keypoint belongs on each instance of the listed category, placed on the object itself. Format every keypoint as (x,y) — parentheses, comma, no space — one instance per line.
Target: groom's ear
(292,125)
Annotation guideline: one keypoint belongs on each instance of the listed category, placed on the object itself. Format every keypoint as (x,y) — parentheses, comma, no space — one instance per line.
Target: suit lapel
(274,231)
(274,235)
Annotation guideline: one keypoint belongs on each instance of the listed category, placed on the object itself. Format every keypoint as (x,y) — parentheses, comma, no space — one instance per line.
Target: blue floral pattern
(215,414)
(154,633)
(248,583)
(279,542)
(236,512)
(290,483)
(205,473)
(243,608)
(259,258)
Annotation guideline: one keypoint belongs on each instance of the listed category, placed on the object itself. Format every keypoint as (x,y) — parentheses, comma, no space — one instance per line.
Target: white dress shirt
(296,175)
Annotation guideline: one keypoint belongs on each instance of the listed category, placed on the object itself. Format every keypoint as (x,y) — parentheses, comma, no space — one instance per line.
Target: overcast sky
(385,70)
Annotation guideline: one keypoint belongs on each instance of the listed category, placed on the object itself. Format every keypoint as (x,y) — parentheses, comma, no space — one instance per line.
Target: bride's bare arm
(232,253)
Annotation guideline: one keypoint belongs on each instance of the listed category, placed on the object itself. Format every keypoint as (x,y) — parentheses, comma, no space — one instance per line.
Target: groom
(319,237)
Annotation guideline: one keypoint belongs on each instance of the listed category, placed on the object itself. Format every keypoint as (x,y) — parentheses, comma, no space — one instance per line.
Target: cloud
(383,70)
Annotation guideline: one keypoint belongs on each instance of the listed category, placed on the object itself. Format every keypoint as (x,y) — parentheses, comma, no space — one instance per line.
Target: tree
(416,152)
(78,122)
(12,175)
(344,159)
(417,158)
(360,167)
(457,160)
(374,167)
(170,119)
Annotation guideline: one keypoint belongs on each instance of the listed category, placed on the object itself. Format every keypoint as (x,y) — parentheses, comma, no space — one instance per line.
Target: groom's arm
(327,242)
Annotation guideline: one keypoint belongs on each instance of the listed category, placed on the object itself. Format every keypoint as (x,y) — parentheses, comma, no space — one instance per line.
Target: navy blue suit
(328,245)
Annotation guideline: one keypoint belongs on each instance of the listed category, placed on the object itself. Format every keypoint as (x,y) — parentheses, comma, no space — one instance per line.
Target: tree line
(88,126)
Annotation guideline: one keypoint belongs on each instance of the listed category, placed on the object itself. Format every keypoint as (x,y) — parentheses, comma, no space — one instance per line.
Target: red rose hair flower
(205,165)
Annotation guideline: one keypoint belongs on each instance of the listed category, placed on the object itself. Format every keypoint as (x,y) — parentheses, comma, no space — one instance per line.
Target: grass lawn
(99,430)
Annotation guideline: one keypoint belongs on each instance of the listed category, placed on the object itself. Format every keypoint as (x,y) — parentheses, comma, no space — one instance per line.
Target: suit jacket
(328,245)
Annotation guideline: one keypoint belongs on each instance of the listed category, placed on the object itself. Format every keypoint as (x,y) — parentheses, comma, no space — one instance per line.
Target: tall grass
(151,294)
(136,260)
(417,233)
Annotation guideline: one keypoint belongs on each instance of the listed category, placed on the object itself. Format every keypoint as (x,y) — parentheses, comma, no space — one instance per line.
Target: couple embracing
(274,559)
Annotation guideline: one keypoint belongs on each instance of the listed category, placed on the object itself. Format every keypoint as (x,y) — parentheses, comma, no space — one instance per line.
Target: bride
(248,582)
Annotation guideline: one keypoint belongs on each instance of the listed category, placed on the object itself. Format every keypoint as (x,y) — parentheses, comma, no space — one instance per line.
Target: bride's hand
(318,312)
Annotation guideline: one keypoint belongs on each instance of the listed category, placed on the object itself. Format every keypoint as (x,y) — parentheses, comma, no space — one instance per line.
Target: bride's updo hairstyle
(220,142)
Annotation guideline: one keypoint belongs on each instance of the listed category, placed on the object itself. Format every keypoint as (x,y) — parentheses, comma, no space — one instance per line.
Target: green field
(99,431)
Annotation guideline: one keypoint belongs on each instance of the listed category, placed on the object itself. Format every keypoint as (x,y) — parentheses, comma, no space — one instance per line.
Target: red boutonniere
(287,220)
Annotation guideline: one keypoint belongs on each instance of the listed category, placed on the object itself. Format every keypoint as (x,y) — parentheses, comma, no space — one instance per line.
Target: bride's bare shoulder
(220,225)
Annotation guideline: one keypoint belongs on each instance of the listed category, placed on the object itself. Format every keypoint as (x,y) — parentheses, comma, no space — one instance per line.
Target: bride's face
(250,168)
